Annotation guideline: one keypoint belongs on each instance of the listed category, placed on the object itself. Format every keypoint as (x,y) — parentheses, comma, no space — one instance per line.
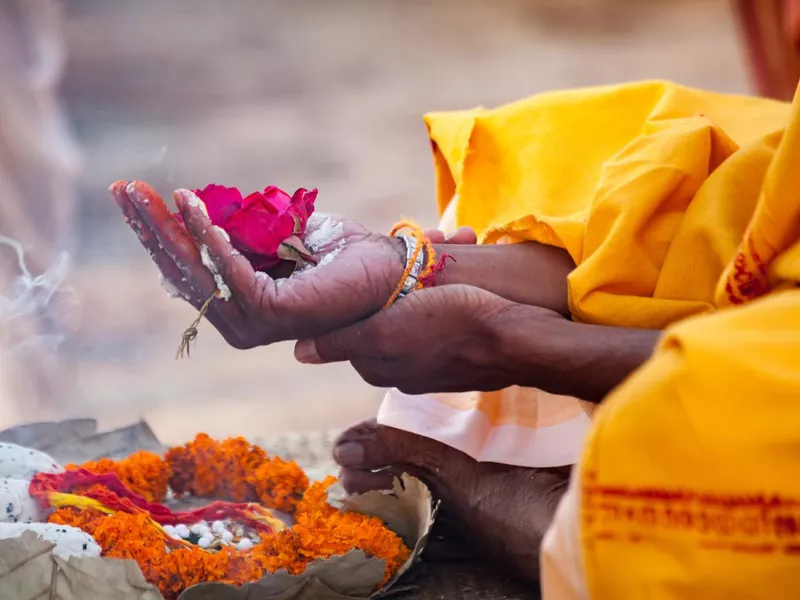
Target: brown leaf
(293,249)
(307,589)
(349,577)
(408,510)
(29,571)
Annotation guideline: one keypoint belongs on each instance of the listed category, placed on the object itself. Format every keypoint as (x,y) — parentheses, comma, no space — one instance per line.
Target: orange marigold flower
(280,551)
(144,473)
(133,536)
(231,469)
(195,566)
(279,484)
(338,533)
(315,500)
(82,519)
(208,468)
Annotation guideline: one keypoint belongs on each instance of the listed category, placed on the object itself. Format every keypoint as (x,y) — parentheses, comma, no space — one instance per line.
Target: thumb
(349,343)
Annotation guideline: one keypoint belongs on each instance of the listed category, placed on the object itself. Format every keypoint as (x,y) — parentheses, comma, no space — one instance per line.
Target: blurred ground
(314,93)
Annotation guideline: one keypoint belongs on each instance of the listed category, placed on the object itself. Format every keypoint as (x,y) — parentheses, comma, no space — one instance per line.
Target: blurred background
(313,93)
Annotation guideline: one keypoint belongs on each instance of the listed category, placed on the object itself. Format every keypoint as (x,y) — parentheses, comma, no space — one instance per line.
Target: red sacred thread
(429,279)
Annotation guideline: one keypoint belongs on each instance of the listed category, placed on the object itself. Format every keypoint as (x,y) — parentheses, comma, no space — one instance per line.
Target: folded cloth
(687,485)
(649,186)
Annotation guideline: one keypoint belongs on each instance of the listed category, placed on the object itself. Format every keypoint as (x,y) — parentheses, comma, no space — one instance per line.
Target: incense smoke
(32,317)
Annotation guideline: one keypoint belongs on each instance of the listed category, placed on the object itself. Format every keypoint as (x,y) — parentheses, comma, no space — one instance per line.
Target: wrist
(527,273)
(418,260)
(543,350)
(395,263)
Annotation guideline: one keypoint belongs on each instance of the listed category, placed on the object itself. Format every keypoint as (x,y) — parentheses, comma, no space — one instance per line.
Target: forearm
(531,274)
(573,359)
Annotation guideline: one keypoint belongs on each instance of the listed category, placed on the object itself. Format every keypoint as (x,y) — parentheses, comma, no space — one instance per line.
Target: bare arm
(459,338)
(562,357)
(530,273)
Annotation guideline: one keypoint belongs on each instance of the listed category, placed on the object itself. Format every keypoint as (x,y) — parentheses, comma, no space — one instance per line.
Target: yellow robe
(674,203)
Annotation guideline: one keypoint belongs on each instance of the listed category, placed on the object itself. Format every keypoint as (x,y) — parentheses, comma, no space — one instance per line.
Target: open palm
(357,273)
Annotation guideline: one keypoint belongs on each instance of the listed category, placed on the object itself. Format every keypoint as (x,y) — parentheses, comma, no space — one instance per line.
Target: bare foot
(502,511)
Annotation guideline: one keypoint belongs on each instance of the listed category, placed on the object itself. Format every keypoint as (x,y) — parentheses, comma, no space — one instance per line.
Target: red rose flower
(264,226)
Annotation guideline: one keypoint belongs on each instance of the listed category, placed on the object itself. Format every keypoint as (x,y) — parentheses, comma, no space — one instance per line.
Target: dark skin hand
(354,285)
(460,338)
(261,310)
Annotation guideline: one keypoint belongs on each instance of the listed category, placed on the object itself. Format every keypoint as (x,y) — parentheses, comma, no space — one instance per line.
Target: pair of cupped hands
(425,342)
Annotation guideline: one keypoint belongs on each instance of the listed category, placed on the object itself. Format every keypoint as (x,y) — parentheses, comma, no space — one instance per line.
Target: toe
(369,445)
(358,481)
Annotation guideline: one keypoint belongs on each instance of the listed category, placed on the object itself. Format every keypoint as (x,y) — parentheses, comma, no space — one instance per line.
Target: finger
(174,238)
(356,481)
(229,268)
(142,206)
(355,342)
(370,446)
(435,236)
(169,270)
(464,235)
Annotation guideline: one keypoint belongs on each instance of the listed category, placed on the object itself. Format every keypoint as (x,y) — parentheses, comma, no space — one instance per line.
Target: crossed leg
(501,511)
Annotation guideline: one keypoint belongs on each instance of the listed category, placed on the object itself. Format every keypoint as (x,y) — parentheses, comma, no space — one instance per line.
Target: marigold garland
(234,470)
(207,468)
(316,497)
(144,473)
(279,484)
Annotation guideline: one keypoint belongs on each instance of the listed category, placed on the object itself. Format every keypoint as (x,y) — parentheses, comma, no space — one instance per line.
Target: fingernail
(305,351)
(349,454)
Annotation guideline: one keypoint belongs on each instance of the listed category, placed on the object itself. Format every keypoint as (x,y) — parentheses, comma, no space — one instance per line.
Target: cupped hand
(357,271)
(441,339)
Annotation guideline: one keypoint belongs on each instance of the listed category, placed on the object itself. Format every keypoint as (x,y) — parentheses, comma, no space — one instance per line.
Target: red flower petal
(255,230)
(260,222)
(302,206)
(277,198)
(221,202)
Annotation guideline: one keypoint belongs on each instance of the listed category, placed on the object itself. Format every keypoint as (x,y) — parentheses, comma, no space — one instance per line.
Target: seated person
(653,268)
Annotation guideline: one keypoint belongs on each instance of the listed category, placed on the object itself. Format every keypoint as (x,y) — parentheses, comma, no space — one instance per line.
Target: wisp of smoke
(30,296)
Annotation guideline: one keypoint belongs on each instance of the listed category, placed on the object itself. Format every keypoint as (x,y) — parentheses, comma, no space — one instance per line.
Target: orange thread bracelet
(416,233)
